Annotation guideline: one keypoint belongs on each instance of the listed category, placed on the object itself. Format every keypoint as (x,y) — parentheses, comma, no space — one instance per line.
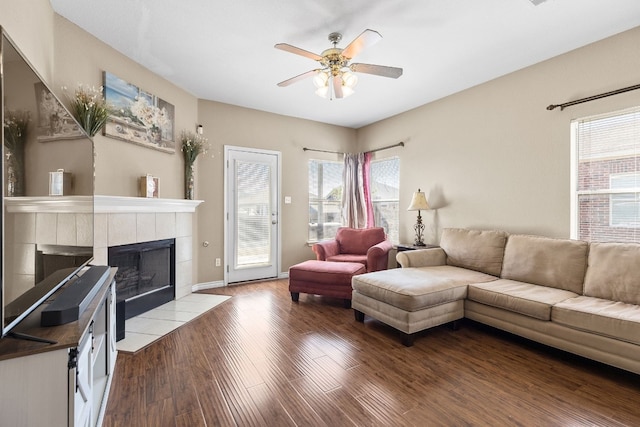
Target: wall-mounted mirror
(47,189)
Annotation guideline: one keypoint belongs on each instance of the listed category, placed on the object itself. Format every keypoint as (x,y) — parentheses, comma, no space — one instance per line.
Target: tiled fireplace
(36,222)
(128,220)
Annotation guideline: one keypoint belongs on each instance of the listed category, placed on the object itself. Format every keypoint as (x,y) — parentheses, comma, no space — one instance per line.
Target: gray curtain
(354,211)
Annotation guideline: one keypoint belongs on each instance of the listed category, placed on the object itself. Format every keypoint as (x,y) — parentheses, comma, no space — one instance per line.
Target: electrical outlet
(217,262)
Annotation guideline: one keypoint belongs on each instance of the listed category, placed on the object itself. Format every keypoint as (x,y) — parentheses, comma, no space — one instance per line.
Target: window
(385,195)
(325,197)
(625,207)
(606,177)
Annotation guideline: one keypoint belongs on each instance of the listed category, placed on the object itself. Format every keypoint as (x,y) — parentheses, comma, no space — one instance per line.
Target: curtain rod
(399,144)
(593,98)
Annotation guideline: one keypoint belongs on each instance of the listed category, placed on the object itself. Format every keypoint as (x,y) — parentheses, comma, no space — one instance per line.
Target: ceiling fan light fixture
(323,92)
(347,91)
(337,78)
(320,79)
(349,80)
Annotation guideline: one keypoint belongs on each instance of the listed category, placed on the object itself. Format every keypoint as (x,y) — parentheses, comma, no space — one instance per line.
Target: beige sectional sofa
(576,296)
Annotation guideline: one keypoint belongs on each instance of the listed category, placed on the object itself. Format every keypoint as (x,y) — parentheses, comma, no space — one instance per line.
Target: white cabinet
(62,384)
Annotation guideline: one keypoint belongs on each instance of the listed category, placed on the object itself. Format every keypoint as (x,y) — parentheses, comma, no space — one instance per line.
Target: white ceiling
(222,50)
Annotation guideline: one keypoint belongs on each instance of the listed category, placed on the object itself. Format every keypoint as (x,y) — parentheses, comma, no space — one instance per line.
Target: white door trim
(227,237)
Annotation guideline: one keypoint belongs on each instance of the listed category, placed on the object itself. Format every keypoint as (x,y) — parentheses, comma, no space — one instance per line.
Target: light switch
(287,200)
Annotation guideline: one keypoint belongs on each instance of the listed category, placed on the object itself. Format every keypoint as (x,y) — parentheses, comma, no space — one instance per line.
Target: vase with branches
(15,137)
(192,146)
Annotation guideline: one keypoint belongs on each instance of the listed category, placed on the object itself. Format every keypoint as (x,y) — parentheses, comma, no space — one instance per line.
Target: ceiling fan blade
(366,39)
(337,87)
(292,49)
(378,70)
(297,78)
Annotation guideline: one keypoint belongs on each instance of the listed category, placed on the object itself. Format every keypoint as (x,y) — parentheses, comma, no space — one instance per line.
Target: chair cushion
(557,263)
(613,272)
(519,297)
(362,259)
(600,316)
(358,241)
(474,249)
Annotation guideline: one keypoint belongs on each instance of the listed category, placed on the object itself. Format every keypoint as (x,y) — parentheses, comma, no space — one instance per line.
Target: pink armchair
(368,246)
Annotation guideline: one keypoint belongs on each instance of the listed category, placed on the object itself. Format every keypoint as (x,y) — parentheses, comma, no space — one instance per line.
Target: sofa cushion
(422,257)
(413,289)
(614,272)
(358,241)
(557,263)
(613,319)
(523,298)
(474,249)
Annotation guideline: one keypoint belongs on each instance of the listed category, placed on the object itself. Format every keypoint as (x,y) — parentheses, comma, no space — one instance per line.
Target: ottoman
(332,279)
(411,299)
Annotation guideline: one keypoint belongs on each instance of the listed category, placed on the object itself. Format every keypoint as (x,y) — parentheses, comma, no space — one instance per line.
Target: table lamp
(419,203)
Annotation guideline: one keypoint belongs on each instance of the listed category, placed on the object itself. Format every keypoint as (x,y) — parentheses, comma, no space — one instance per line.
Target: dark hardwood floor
(259,359)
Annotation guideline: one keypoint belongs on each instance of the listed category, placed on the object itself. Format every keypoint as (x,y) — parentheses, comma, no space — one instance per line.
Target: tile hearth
(148,327)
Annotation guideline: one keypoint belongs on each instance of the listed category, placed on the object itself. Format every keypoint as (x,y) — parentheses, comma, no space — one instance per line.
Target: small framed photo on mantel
(148,186)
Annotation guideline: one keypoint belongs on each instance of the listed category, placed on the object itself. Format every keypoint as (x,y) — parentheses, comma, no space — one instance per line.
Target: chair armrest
(422,258)
(326,249)
(378,256)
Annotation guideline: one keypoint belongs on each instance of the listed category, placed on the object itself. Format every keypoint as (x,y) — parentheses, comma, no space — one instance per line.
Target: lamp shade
(418,202)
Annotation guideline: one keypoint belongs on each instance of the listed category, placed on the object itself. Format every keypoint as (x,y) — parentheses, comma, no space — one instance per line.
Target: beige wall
(81,58)
(29,23)
(235,126)
(493,156)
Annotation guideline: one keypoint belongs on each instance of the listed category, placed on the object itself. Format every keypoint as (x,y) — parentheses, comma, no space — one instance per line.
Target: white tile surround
(127,220)
(117,221)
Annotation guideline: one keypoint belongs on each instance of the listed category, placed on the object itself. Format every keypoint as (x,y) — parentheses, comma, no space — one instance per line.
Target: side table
(401,247)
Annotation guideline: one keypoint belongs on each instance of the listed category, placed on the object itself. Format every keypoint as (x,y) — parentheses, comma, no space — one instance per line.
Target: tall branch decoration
(15,136)
(192,146)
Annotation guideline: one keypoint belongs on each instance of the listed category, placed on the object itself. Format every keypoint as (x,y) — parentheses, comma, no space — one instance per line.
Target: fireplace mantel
(102,204)
(119,204)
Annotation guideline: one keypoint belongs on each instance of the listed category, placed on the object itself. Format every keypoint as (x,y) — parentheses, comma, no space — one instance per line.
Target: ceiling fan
(336,78)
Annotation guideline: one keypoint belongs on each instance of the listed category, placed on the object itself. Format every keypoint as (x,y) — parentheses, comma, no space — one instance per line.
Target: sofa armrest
(326,249)
(422,258)
(378,256)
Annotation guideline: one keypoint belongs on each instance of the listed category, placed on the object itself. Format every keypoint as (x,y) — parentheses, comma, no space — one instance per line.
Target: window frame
(616,153)
(319,200)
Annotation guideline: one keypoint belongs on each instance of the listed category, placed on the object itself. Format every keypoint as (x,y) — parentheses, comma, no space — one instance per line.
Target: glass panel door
(252,201)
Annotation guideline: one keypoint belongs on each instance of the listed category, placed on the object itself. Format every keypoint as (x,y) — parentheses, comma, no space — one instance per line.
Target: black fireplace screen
(140,272)
(146,274)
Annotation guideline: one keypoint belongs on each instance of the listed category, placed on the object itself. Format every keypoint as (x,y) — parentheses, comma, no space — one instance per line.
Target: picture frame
(53,120)
(149,186)
(138,116)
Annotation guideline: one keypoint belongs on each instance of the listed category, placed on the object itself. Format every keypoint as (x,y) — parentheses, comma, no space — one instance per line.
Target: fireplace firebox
(145,278)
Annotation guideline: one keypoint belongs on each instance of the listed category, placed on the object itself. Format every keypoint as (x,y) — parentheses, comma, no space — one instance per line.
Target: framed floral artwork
(138,116)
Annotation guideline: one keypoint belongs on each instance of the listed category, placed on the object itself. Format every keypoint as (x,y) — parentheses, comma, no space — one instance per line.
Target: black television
(47,191)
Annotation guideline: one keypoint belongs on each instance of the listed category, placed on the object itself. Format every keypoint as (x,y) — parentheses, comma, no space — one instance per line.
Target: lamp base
(419,244)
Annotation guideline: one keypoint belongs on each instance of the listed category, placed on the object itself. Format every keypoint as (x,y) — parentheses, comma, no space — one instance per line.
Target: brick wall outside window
(609,152)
